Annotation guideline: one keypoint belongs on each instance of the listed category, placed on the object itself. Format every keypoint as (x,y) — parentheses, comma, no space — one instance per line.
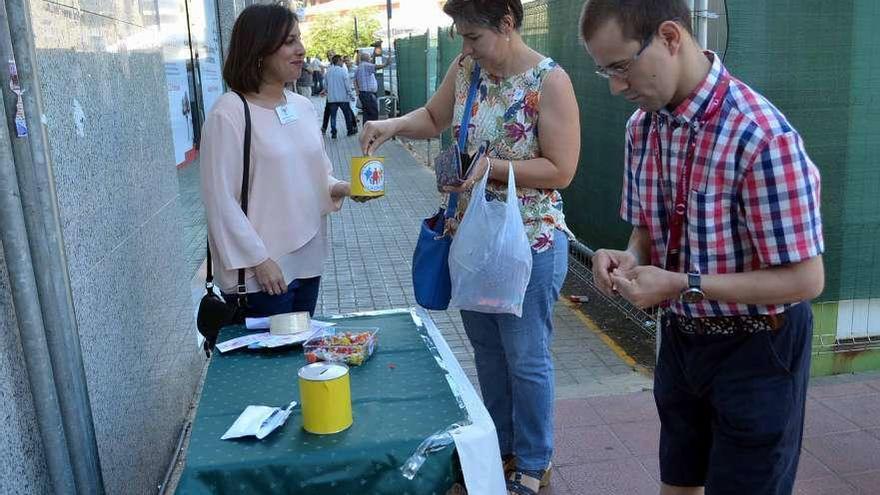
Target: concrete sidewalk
(606,425)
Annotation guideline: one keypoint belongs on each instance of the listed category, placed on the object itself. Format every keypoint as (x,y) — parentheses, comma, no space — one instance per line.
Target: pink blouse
(289,198)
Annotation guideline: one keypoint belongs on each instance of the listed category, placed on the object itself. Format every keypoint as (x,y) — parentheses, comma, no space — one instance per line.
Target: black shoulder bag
(214,312)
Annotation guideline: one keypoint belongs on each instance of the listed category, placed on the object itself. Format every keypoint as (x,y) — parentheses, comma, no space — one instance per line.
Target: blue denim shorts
(732,407)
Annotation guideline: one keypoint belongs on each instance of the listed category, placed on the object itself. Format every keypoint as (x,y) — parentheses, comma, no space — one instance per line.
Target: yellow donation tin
(367,176)
(325,395)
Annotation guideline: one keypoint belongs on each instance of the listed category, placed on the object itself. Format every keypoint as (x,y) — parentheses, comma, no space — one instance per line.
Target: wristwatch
(693,294)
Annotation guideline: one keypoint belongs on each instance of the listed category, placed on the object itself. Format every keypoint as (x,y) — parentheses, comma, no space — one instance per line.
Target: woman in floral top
(526,109)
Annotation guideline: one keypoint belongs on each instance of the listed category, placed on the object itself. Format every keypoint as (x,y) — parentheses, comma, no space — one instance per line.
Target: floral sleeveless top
(505,113)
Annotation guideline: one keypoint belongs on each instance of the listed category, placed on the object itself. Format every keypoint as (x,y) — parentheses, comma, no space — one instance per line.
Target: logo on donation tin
(373,176)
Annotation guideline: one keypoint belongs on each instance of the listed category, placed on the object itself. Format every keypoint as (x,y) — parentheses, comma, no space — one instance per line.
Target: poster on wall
(174,33)
(210,56)
(179,109)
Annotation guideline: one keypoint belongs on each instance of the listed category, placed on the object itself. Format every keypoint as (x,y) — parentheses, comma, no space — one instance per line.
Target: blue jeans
(301,295)
(330,116)
(514,364)
(369,105)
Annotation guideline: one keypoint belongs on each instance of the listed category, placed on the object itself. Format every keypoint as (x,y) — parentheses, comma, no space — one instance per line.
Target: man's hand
(605,261)
(647,286)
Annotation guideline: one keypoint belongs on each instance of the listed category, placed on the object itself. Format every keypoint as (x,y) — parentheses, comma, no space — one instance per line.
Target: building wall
(106,112)
(24,467)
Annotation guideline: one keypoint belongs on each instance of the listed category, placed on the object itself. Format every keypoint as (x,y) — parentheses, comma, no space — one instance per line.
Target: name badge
(286,113)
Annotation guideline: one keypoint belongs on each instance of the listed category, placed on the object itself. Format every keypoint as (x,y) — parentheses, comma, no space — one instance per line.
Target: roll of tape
(289,323)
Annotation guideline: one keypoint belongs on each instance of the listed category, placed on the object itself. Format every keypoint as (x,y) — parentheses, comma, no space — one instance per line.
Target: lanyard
(679,210)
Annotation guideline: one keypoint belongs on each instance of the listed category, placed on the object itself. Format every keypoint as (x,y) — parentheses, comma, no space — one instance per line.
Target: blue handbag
(430,263)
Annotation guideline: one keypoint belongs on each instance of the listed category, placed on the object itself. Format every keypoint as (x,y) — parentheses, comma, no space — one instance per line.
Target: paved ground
(370,268)
(606,423)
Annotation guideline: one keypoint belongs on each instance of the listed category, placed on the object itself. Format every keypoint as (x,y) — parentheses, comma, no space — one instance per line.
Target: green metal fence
(448,49)
(825,80)
(412,72)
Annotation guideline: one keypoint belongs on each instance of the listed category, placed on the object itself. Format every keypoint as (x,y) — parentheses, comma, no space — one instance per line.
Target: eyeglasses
(620,70)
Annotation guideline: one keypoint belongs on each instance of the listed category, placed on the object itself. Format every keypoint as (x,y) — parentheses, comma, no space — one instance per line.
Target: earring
(508,39)
(260,63)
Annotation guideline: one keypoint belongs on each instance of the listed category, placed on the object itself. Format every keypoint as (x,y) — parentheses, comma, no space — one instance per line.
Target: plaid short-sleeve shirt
(365,74)
(753,200)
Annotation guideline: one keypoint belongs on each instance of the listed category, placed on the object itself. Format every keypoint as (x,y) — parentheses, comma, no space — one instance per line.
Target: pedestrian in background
(367,87)
(317,68)
(338,97)
(351,67)
(305,82)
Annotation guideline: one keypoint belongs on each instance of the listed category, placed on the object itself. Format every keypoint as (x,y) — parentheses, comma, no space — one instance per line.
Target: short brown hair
(485,13)
(639,19)
(259,31)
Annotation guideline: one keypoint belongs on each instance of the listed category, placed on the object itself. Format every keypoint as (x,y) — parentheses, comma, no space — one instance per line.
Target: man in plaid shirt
(727,240)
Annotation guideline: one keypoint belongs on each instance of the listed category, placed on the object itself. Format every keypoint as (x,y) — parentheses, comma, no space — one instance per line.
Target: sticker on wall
(79,118)
(21,129)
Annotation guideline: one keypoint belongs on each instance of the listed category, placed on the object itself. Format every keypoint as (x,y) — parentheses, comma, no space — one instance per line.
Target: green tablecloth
(399,397)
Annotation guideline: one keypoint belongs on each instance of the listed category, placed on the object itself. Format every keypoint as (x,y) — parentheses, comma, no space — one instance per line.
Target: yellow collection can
(368,176)
(325,395)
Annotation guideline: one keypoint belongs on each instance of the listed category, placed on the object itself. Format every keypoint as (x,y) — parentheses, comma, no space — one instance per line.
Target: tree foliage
(329,32)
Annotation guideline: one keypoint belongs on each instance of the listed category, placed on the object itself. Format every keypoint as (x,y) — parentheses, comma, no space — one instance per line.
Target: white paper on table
(271,341)
(243,341)
(258,421)
(256,323)
(263,324)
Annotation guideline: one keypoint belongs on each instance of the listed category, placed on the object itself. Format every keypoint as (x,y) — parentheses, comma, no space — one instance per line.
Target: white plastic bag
(490,260)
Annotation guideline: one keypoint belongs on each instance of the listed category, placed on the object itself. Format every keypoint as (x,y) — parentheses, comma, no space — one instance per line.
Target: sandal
(520,483)
(508,465)
(545,480)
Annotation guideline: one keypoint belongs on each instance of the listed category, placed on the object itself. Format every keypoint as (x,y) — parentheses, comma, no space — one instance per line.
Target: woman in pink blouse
(282,241)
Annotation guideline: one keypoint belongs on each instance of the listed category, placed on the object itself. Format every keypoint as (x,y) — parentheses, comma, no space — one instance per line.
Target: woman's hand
(377,132)
(478,170)
(270,278)
(342,189)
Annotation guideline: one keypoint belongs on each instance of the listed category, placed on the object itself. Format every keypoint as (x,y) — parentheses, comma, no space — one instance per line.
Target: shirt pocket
(710,242)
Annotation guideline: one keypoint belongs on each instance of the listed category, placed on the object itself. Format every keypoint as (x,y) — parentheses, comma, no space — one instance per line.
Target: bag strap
(466,115)
(245,190)
(464,130)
